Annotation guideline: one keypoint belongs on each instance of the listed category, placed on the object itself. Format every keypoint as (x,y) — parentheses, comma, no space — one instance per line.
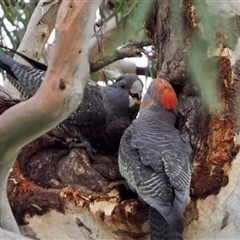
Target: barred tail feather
(159,227)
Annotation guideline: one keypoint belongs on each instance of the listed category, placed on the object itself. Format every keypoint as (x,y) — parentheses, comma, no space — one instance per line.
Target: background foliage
(15,15)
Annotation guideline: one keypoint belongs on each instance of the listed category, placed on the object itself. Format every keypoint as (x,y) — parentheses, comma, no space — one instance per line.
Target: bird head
(133,84)
(160,92)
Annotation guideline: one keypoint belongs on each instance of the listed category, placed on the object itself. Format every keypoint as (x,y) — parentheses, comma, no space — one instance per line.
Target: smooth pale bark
(38,31)
(212,215)
(7,235)
(58,96)
(219,216)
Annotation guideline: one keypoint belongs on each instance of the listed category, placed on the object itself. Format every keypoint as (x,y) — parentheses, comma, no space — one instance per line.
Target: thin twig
(134,49)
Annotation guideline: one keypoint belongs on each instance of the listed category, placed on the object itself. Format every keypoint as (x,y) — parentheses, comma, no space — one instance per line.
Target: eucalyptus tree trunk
(57,193)
(57,97)
(198,52)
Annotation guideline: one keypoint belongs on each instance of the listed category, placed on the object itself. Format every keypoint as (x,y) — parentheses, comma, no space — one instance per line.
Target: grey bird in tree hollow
(155,161)
(102,116)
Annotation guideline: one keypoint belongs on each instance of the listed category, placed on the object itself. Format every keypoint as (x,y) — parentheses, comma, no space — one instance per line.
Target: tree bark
(115,32)
(92,205)
(196,45)
(50,184)
(54,100)
(78,199)
(59,193)
(38,31)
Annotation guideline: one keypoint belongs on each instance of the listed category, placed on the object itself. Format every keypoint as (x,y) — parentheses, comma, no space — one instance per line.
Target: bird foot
(87,146)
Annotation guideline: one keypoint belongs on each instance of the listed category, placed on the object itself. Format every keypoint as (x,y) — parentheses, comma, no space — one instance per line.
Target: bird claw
(87,146)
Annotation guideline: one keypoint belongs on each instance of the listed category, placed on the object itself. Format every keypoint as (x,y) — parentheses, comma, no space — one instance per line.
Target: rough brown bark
(53,177)
(48,176)
(217,146)
(210,128)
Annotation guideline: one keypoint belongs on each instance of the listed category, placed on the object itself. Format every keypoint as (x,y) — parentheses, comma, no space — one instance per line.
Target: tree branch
(56,98)
(134,49)
(38,31)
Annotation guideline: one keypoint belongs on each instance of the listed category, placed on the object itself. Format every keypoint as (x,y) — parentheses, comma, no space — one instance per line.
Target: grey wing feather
(153,187)
(164,150)
(166,210)
(128,158)
(165,231)
(91,110)
(28,79)
(158,167)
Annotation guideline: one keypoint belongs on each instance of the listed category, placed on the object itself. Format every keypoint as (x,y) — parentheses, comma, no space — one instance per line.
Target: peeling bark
(217,146)
(51,184)
(48,182)
(209,128)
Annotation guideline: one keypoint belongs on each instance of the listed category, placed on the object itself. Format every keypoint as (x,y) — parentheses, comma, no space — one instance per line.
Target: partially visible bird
(26,79)
(155,161)
(102,116)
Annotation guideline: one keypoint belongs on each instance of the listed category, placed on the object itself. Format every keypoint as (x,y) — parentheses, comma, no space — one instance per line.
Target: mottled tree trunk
(57,193)
(196,52)
(54,101)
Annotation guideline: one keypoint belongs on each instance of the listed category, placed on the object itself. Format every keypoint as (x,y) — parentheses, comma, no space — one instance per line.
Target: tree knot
(62,84)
